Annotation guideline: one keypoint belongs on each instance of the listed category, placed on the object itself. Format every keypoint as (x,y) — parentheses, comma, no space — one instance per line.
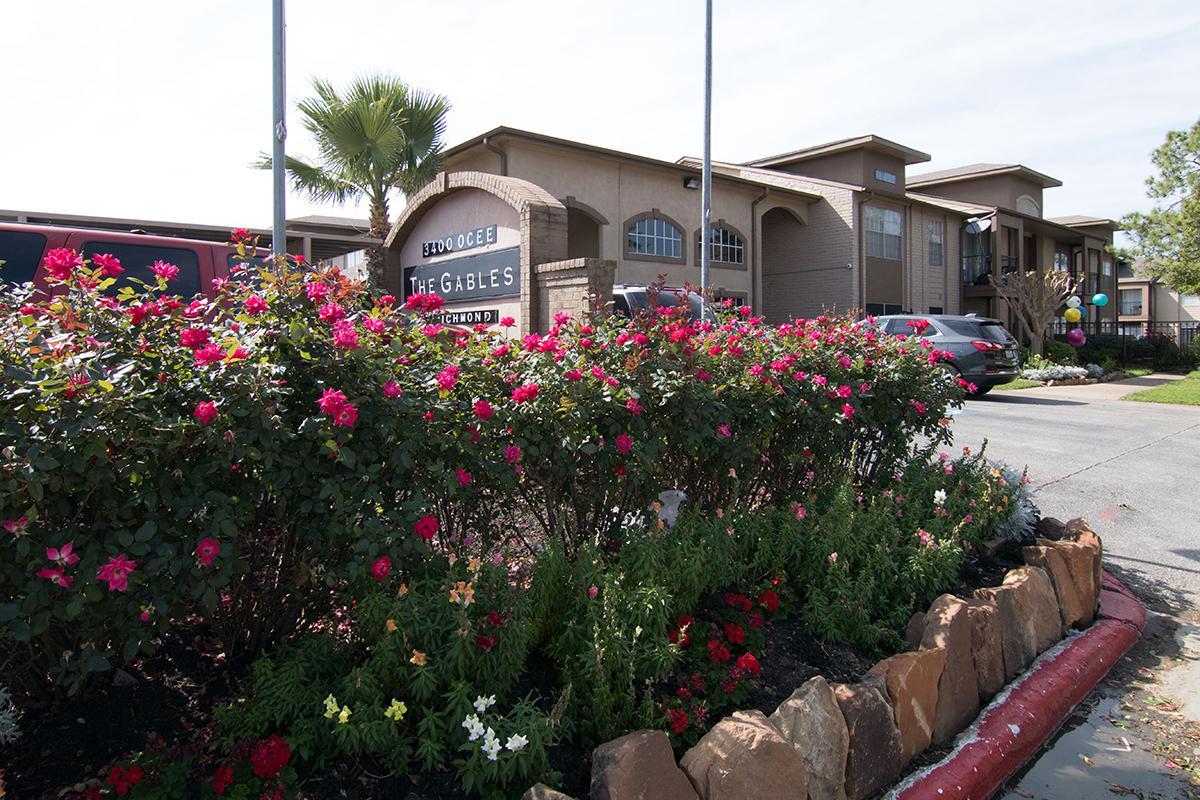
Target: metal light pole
(278,175)
(706,170)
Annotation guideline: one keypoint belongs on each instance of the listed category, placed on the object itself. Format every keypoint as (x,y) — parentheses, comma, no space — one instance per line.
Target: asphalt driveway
(1133,469)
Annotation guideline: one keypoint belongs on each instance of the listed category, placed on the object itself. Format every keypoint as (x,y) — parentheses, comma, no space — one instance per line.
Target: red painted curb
(1023,717)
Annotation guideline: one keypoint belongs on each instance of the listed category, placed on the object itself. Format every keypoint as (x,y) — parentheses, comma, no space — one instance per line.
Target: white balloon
(1074,302)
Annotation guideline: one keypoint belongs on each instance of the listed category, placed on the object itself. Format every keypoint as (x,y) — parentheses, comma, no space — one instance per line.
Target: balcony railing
(1009,264)
(975,269)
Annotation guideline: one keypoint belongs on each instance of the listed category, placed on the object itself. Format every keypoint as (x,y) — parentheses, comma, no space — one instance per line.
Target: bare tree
(1035,297)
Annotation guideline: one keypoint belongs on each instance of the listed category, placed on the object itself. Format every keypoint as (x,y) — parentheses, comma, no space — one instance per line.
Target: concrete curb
(1020,719)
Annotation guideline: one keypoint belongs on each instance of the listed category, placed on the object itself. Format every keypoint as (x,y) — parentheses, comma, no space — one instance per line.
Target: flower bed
(452,549)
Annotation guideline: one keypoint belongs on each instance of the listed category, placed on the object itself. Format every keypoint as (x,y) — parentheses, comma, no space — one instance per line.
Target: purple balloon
(1076,337)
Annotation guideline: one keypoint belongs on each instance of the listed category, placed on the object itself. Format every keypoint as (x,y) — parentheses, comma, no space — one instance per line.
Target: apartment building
(1147,306)
(521,224)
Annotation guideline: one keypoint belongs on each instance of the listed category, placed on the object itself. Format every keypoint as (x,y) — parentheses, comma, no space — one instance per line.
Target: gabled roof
(679,167)
(974,171)
(868,142)
(1083,221)
(769,177)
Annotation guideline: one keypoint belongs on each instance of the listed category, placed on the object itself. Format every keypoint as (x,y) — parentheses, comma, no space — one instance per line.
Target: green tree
(378,138)
(1166,240)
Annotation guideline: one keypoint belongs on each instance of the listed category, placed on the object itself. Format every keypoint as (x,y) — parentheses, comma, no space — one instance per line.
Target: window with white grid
(654,237)
(937,238)
(727,246)
(884,233)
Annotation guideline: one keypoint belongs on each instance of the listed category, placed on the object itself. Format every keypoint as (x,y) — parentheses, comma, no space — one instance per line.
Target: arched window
(728,245)
(653,237)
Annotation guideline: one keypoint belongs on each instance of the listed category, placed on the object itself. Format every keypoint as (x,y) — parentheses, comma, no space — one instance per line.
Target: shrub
(1054,372)
(1060,352)
(262,459)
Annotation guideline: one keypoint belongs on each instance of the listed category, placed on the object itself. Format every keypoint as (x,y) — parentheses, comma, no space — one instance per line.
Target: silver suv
(982,351)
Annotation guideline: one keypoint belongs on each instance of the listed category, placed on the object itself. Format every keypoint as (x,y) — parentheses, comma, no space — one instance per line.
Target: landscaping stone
(1042,612)
(1018,643)
(638,766)
(812,721)
(745,756)
(948,626)
(873,760)
(1079,531)
(1072,608)
(915,630)
(1050,528)
(986,651)
(912,685)
(1080,559)
(540,791)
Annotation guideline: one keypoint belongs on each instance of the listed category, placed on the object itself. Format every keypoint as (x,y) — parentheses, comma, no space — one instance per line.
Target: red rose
(381,568)
(426,527)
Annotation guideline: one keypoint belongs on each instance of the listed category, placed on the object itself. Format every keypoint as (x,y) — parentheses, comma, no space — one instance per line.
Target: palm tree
(381,136)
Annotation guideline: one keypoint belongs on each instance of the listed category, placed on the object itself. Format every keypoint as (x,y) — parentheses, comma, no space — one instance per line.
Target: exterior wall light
(691,182)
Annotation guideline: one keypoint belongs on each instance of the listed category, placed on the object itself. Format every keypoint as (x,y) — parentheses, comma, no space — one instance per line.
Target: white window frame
(885,233)
(662,238)
(727,246)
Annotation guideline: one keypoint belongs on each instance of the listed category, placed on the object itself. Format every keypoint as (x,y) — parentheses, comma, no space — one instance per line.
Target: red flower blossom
(847,410)
(381,568)
(523,394)
(623,443)
(678,719)
(483,409)
(424,302)
(734,633)
(386,300)
(633,406)
(748,663)
(108,264)
(255,305)
(207,550)
(239,236)
(463,476)
(717,650)
(330,312)
(769,600)
(495,619)
(316,291)
(61,262)
(116,573)
(193,338)
(269,757)
(56,575)
(738,601)
(164,270)
(486,642)
(426,527)
(447,379)
(222,778)
(209,354)
(345,335)
(205,412)
(391,389)
(507,322)
(512,454)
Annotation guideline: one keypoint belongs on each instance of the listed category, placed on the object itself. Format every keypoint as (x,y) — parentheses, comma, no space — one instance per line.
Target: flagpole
(706,170)
(279,95)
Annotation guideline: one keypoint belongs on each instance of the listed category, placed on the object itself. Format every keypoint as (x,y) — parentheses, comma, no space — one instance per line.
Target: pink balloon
(1076,337)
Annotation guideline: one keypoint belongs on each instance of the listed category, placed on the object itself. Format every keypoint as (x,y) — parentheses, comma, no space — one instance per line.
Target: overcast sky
(154,109)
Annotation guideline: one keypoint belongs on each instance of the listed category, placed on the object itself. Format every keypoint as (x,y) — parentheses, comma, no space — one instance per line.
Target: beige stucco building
(521,224)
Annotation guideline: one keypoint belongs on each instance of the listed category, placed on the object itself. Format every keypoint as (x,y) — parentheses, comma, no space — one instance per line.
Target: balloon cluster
(1076,313)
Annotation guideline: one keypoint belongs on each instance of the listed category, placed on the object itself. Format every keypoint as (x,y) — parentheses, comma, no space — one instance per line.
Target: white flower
(482,703)
(491,745)
(473,727)
(939,497)
(516,742)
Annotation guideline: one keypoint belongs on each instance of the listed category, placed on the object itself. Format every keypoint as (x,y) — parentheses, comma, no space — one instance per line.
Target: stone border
(852,741)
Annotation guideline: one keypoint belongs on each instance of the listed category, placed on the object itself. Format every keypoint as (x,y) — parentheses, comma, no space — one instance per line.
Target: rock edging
(850,741)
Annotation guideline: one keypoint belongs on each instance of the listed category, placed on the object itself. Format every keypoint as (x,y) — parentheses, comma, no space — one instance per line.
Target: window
(136,260)
(882,309)
(21,253)
(976,259)
(937,236)
(884,233)
(1131,301)
(936,310)
(1062,261)
(885,176)
(1107,268)
(727,245)
(654,236)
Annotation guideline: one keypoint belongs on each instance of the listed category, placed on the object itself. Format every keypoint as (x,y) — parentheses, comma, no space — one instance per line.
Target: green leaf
(97,663)
(146,532)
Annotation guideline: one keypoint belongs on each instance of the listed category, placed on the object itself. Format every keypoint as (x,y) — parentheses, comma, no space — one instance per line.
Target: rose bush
(258,458)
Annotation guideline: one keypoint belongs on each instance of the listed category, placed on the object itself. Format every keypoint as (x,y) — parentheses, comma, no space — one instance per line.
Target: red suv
(22,248)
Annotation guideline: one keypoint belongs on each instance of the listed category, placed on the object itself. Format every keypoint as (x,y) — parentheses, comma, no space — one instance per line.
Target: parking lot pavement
(1133,469)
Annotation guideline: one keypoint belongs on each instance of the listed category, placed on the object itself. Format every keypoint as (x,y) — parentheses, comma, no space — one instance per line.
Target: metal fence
(1134,340)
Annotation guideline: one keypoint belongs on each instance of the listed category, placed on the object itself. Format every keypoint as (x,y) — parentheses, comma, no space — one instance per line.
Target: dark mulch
(791,657)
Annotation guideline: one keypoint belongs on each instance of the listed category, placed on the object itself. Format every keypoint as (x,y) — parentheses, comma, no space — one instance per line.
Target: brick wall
(573,286)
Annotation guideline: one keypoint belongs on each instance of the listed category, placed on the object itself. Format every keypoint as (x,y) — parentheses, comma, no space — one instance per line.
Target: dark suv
(629,300)
(982,351)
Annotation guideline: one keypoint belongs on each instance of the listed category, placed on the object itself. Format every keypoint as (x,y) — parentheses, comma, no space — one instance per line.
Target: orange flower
(391,626)
(418,658)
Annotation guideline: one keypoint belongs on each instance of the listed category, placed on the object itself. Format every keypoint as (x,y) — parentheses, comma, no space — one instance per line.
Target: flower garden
(298,540)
